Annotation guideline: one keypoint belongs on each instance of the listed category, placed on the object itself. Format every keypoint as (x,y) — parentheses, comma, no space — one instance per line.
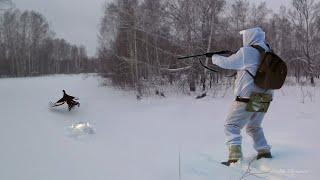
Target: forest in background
(139,41)
(28,46)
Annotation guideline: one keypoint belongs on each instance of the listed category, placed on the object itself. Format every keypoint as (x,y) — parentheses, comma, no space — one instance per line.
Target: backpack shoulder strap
(261,51)
(259,48)
(270,48)
(250,73)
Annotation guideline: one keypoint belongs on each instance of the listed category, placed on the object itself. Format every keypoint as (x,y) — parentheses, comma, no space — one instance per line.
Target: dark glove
(225,52)
(210,54)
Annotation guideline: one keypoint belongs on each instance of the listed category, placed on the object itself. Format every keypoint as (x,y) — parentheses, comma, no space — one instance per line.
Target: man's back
(244,82)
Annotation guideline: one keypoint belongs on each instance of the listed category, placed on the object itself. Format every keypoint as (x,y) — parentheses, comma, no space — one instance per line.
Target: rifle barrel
(186,57)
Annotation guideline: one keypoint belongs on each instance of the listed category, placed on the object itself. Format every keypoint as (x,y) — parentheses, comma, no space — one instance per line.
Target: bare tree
(138,45)
(304,16)
(239,14)
(5,5)
(258,15)
(28,47)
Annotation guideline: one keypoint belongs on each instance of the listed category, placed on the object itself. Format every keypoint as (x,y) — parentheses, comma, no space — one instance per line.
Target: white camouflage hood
(253,36)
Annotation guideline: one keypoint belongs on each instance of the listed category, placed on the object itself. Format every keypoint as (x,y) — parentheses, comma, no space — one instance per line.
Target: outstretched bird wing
(61,100)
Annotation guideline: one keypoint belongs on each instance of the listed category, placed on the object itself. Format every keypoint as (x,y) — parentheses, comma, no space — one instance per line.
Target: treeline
(28,47)
(139,41)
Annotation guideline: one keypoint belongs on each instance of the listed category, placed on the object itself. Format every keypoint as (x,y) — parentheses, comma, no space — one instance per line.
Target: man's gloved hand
(222,53)
(225,52)
(209,55)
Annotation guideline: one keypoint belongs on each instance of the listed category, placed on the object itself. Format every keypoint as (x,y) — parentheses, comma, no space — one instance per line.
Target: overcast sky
(77,21)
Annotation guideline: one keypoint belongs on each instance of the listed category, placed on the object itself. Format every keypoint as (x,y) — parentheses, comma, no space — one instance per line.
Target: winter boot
(235,155)
(264,154)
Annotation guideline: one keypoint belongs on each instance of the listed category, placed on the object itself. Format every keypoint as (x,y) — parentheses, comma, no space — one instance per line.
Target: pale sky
(77,21)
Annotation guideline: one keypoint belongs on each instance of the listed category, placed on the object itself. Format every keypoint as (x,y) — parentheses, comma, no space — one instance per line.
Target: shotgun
(209,54)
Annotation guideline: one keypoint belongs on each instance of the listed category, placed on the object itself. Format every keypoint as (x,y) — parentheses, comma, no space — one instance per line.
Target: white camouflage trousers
(238,118)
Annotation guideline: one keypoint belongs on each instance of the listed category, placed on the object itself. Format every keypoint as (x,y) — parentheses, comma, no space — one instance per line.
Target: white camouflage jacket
(247,58)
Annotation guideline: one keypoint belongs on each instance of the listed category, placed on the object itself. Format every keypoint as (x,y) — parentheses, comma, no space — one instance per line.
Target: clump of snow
(81,129)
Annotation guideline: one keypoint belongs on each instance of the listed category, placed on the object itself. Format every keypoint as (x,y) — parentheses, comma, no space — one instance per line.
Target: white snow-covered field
(147,139)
